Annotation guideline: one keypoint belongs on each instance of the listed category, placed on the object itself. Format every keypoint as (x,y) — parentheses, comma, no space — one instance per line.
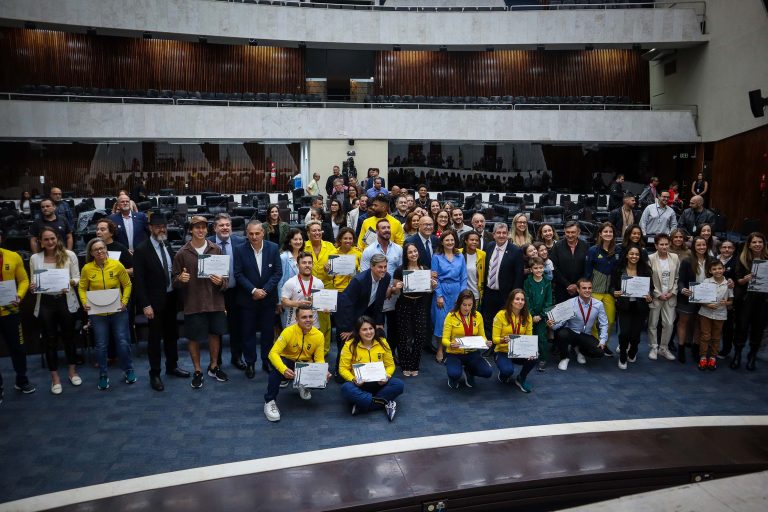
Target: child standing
(712,316)
(538,296)
(543,252)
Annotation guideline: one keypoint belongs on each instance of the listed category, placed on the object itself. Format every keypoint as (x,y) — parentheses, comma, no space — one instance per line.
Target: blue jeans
(507,366)
(473,362)
(117,324)
(275,378)
(363,396)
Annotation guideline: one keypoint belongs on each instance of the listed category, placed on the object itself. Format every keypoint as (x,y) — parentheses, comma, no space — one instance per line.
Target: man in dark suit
(504,262)
(623,214)
(425,241)
(364,295)
(616,192)
(227,242)
(156,297)
(132,228)
(486,238)
(257,270)
(569,258)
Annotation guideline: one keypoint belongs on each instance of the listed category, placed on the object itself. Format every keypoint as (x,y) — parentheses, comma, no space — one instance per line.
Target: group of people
(495,284)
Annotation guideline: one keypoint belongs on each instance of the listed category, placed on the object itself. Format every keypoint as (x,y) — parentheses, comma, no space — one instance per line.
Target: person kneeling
(514,319)
(301,342)
(465,364)
(576,331)
(367,347)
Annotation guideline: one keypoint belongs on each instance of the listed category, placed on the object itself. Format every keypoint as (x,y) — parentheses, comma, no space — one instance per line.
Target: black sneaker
(197,380)
(607,352)
(217,373)
(25,388)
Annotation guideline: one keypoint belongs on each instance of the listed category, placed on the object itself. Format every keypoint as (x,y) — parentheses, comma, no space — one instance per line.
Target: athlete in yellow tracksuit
(14,276)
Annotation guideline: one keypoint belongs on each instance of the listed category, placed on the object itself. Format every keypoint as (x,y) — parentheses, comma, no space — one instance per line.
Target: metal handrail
(352,104)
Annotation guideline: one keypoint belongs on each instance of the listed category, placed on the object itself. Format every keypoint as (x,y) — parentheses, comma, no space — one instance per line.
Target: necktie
(164,259)
(493,276)
(429,250)
(223,247)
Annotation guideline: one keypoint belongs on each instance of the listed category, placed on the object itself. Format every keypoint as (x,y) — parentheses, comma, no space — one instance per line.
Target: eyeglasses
(98,250)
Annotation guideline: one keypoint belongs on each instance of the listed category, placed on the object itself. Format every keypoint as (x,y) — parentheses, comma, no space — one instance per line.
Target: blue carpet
(84,436)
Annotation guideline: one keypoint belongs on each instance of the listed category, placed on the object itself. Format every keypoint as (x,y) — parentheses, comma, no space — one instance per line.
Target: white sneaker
(580,358)
(563,364)
(652,354)
(666,354)
(56,389)
(622,366)
(632,359)
(305,394)
(271,411)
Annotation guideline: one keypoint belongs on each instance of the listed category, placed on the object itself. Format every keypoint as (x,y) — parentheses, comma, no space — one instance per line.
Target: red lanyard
(589,312)
(303,290)
(516,328)
(467,328)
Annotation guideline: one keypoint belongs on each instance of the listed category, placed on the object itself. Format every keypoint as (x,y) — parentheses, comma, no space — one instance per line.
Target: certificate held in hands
(417,281)
(325,300)
(370,372)
(342,264)
(7,292)
(703,293)
(759,282)
(636,287)
(561,312)
(473,342)
(51,280)
(370,237)
(102,302)
(523,346)
(213,265)
(310,375)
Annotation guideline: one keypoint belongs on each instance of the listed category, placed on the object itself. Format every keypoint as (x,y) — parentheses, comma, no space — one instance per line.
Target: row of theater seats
(543,102)
(96,94)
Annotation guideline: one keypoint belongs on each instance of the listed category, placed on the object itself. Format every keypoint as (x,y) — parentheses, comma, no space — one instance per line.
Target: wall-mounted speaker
(757,103)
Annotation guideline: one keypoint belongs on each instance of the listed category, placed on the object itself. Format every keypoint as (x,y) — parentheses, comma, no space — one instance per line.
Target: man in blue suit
(257,271)
(504,262)
(364,295)
(425,241)
(227,242)
(132,228)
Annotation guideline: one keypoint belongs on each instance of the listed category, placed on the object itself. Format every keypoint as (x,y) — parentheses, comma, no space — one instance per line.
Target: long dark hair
(508,307)
(440,249)
(464,295)
(643,269)
(356,335)
(612,243)
(693,259)
(270,226)
(287,242)
(339,218)
(626,242)
(745,258)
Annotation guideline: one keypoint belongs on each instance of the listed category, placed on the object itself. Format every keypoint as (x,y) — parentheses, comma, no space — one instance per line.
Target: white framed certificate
(51,280)
(370,237)
(114,255)
(325,300)
(343,264)
(561,312)
(759,282)
(417,281)
(703,293)
(473,342)
(213,265)
(8,292)
(523,346)
(310,375)
(635,286)
(370,372)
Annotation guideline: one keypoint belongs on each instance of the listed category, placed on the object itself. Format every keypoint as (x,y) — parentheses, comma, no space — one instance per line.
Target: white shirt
(472,275)
(229,251)
(723,293)
(200,250)
(665,274)
(394,254)
(292,291)
(374,289)
(501,249)
(128,223)
(257,255)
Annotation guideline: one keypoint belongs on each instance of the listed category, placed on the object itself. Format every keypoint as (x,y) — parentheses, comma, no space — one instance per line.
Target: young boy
(538,296)
(712,316)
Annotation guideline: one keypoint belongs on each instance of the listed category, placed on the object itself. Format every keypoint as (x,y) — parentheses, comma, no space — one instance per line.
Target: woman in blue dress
(450,270)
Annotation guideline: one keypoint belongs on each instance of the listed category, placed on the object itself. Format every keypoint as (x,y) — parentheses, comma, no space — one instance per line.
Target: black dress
(413,329)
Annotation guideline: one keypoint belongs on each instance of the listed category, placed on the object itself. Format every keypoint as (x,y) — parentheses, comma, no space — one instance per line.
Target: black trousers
(493,302)
(750,321)
(54,317)
(585,342)
(234,323)
(631,325)
(164,327)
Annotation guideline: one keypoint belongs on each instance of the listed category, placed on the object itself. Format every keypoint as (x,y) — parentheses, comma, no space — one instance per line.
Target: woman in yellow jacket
(102,273)
(367,347)
(475,260)
(345,246)
(320,250)
(514,319)
(464,320)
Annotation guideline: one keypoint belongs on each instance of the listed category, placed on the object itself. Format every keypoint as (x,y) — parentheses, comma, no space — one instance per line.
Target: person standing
(228,242)
(63,210)
(658,218)
(313,187)
(132,227)
(450,270)
(204,307)
(12,270)
(424,240)
(700,187)
(504,273)
(157,299)
(54,308)
(713,315)
(538,299)
(726,257)
(649,194)
(50,219)
(601,261)
(378,209)
(632,311)
(486,238)
(569,259)
(751,305)
(413,314)
(624,215)
(695,216)
(665,271)
(616,193)
(257,271)
(320,251)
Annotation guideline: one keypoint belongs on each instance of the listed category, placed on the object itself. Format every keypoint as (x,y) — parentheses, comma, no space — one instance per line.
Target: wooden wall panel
(610,72)
(738,163)
(61,58)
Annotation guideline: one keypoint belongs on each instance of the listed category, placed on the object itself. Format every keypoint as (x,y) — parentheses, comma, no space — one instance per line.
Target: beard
(162,237)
